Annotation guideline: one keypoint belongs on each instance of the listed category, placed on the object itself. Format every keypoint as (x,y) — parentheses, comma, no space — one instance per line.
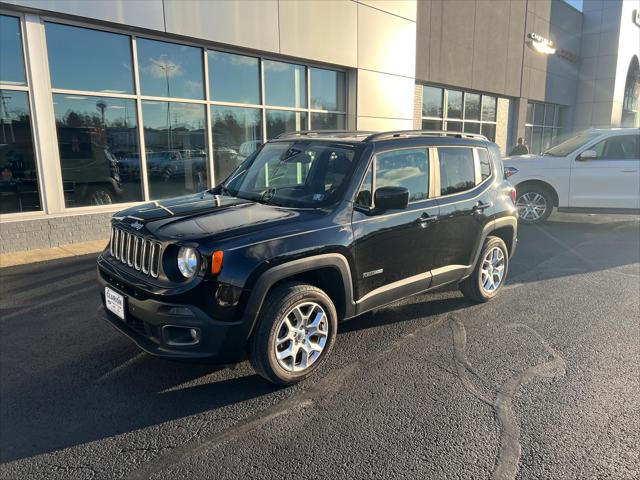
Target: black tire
(279,302)
(472,287)
(532,190)
(100,195)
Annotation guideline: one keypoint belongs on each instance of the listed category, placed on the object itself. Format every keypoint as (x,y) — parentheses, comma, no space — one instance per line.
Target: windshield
(568,146)
(294,174)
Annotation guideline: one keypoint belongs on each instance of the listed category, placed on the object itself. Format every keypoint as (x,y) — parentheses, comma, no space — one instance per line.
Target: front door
(394,248)
(612,179)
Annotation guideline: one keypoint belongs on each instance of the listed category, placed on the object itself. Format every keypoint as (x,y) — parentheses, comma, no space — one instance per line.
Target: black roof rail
(421,133)
(315,133)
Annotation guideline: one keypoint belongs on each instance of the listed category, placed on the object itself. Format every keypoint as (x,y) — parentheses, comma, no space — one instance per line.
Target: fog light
(181,336)
(195,334)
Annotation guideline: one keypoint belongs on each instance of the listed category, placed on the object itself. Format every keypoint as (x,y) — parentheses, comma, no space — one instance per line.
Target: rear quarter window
(485,163)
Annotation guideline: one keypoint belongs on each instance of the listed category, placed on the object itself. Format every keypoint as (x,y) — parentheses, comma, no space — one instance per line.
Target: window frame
(479,183)
(531,125)
(52,197)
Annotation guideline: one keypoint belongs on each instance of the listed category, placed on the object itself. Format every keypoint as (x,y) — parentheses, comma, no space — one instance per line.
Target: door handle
(425,219)
(481,206)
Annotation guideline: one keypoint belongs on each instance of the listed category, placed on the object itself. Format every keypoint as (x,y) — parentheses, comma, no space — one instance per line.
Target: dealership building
(105,104)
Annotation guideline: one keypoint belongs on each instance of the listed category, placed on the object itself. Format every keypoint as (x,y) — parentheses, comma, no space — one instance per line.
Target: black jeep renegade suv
(312,228)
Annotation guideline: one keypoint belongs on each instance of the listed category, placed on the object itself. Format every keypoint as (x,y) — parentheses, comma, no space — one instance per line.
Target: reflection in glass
(431,102)
(285,84)
(454,104)
(431,125)
(327,89)
(454,126)
(538,114)
(529,113)
(236,132)
(233,78)
(175,144)
(169,69)
(489,108)
(11,60)
(97,136)
(489,131)
(408,168)
(546,139)
(472,106)
(327,121)
(549,115)
(84,59)
(18,177)
(536,141)
(280,121)
(472,127)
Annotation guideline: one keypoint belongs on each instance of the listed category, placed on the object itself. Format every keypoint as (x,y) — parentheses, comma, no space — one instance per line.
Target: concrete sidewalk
(43,254)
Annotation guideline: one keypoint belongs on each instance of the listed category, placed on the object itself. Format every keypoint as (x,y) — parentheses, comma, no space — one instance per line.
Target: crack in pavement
(502,402)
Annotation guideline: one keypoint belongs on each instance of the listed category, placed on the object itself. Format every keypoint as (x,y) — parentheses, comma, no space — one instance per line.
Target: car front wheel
(296,332)
(534,204)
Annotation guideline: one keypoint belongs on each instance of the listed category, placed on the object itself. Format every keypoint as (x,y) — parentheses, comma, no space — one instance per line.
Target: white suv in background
(595,171)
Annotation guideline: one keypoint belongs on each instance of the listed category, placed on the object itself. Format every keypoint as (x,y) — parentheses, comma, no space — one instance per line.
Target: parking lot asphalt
(541,383)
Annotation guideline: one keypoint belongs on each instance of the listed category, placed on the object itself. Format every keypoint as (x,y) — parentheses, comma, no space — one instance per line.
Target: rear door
(466,204)
(612,179)
(394,248)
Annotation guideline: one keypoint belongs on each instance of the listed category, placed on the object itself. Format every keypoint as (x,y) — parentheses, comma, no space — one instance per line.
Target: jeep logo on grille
(137,225)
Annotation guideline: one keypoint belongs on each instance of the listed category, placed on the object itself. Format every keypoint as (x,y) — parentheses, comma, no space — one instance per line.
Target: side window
(485,163)
(364,196)
(457,172)
(622,147)
(407,168)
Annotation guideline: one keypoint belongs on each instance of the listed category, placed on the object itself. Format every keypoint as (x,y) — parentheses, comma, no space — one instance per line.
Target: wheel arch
(540,183)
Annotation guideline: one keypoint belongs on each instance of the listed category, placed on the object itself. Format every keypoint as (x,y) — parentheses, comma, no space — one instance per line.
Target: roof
(369,137)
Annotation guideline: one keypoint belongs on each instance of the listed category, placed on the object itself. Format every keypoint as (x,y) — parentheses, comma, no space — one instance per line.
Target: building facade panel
(401,8)
(385,96)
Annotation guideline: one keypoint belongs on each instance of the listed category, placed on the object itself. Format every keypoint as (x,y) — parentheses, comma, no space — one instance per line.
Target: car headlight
(508,171)
(188,261)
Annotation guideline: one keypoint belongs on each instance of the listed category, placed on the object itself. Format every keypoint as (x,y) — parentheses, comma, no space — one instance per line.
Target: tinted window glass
(485,164)
(234,78)
(431,102)
(19,190)
(431,125)
(623,147)
(538,114)
(472,127)
(280,121)
(407,168)
(364,194)
(489,108)
(327,121)
(169,69)
(327,89)
(454,104)
(489,131)
(11,60)
(454,126)
(285,84)
(237,132)
(457,172)
(98,139)
(529,113)
(472,106)
(174,138)
(84,59)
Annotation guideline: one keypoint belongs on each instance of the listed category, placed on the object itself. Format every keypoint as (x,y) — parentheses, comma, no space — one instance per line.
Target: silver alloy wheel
(301,336)
(492,271)
(101,197)
(531,206)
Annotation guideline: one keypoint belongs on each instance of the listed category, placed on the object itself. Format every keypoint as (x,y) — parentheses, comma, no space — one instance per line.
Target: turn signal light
(513,195)
(216,262)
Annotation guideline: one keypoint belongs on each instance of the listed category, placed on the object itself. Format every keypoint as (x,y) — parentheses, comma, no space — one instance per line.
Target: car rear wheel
(534,204)
(296,332)
(490,272)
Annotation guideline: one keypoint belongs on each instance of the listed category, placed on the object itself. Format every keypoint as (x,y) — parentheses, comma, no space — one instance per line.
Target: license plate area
(114,302)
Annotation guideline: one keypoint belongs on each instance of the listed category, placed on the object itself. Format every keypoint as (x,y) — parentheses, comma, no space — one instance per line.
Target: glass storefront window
(543,126)
(454,104)
(327,89)
(538,114)
(169,69)
(175,147)
(19,190)
(11,59)
(488,108)
(91,60)
(454,126)
(471,106)
(237,132)
(327,121)
(472,127)
(431,102)
(281,121)
(99,154)
(431,124)
(233,78)
(549,115)
(489,131)
(285,84)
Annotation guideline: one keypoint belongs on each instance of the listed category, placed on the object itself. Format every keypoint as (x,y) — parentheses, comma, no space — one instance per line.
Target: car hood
(204,215)
(523,158)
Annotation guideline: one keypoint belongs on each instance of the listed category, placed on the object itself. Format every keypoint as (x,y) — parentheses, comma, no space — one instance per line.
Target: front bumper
(146,321)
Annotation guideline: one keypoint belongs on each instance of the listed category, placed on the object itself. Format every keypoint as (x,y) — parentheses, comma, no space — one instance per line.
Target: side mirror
(391,198)
(587,155)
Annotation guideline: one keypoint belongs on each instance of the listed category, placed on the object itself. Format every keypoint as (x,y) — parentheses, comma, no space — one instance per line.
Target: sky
(576,3)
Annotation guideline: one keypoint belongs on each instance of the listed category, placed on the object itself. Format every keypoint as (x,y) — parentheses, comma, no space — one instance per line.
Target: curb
(44,254)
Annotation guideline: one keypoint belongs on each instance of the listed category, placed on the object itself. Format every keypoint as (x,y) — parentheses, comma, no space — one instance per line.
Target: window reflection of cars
(18,184)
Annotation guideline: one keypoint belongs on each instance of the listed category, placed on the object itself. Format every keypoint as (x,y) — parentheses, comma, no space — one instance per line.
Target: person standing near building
(520,148)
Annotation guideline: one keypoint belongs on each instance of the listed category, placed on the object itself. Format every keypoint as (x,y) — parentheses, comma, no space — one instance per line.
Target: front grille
(136,251)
